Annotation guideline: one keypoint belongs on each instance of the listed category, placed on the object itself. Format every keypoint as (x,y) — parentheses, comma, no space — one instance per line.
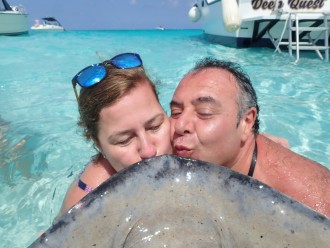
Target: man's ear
(248,121)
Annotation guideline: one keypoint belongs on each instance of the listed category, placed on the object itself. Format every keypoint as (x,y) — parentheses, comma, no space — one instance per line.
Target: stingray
(168,201)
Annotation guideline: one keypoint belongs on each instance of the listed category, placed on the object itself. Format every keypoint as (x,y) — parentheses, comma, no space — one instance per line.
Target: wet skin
(204,126)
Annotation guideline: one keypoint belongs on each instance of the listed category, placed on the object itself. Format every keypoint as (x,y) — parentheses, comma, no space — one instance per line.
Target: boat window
(209,2)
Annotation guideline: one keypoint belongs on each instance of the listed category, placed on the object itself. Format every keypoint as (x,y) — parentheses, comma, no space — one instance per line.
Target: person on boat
(215,118)
(120,112)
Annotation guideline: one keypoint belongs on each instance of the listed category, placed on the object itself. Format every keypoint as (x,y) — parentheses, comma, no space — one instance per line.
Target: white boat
(292,24)
(160,28)
(47,24)
(13,19)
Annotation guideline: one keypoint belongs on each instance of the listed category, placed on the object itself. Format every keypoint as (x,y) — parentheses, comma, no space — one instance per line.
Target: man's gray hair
(247,97)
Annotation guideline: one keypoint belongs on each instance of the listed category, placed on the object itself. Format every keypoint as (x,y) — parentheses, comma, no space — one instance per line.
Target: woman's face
(134,128)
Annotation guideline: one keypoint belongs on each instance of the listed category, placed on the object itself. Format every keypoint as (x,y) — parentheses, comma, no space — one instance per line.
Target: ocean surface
(42,150)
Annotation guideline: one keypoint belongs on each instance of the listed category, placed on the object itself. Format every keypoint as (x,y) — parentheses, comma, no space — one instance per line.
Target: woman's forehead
(139,104)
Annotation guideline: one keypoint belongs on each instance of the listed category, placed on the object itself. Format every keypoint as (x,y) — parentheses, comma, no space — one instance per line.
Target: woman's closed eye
(154,128)
(155,123)
(124,141)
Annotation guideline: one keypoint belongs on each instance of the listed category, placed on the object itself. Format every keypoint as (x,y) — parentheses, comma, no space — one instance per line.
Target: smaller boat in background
(13,19)
(160,28)
(47,24)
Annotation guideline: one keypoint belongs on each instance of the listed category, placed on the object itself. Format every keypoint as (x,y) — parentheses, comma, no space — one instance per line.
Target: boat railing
(294,29)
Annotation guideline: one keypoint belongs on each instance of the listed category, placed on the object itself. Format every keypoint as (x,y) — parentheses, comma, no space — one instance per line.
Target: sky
(112,14)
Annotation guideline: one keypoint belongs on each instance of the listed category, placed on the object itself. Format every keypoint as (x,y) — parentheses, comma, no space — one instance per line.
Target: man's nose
(147,147)
(183,124)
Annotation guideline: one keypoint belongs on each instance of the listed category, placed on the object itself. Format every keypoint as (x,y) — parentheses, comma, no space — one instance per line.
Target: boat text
(293,4)
(305,4)
(264,4)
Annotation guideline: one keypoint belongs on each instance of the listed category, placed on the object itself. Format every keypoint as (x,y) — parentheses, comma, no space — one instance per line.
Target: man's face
(204,118)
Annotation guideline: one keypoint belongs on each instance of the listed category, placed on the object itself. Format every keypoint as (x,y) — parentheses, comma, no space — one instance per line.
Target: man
(214,117)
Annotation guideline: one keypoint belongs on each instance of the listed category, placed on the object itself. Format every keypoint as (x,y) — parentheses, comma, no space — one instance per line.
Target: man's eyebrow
(203,99)
(174,103)
(199,100)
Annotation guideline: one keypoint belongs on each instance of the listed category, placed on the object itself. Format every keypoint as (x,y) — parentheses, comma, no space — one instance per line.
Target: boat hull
(48,29)
(237,42)
(13,23)
(258,23)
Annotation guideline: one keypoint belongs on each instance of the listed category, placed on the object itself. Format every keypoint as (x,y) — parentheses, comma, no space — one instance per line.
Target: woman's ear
(248,121)
(99,149)
(97,146)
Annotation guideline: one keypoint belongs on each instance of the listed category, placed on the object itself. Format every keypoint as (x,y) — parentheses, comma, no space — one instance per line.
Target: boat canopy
(50,20)
(4,5)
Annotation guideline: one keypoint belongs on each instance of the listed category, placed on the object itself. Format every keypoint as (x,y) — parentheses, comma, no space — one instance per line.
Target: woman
(120,112)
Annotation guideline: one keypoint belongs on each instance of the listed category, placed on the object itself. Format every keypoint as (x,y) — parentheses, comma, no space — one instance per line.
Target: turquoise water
(41,149)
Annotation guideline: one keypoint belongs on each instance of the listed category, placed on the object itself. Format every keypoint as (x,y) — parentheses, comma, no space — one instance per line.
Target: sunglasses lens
(94,74)
(126,61)
(91,75)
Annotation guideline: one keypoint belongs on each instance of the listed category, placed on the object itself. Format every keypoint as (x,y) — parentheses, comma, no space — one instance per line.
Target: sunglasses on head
(93,74)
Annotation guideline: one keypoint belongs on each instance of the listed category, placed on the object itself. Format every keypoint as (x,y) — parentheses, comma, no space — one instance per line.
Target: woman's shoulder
(96,172)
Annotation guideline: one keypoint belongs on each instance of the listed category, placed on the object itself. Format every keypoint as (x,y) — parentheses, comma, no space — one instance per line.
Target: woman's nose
(147,148)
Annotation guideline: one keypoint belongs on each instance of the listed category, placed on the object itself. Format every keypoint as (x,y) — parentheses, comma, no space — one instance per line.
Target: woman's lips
(182,151)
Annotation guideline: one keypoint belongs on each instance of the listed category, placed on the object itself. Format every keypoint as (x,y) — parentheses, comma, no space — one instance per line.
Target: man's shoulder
(276,154)
(279,162)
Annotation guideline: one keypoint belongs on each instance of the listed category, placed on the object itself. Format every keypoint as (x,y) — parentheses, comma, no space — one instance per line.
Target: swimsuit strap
(254,160)
(84,186)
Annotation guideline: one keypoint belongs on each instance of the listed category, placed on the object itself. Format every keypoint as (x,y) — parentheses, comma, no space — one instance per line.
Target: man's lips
(182,151)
